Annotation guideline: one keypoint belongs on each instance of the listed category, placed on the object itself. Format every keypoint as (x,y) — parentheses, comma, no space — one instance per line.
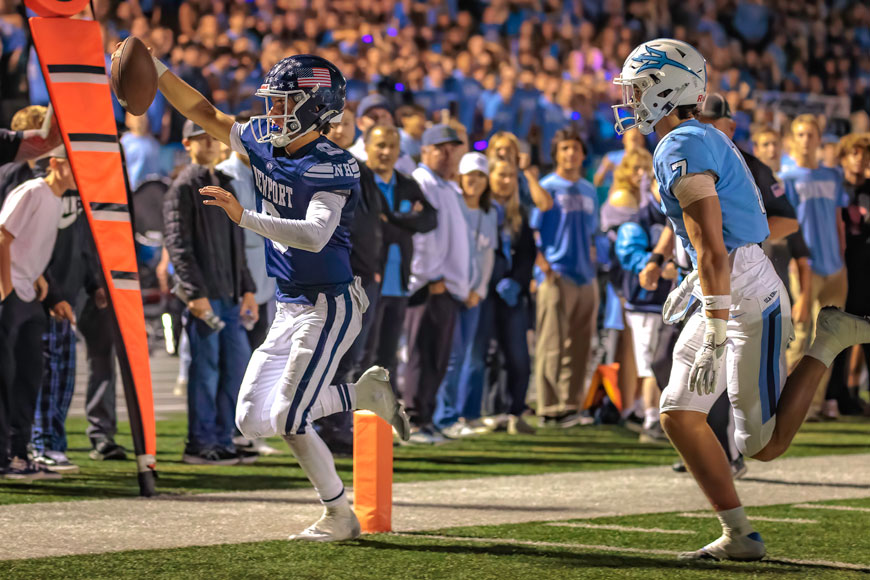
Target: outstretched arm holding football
(190,102)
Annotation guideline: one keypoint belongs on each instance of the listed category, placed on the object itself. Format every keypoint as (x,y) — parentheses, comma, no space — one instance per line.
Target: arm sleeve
(631,247)
(178,238)
(310,234)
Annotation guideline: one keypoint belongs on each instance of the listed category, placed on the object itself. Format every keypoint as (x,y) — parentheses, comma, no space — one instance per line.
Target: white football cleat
(374,393)
(335,525)
(835,332)
(741,548)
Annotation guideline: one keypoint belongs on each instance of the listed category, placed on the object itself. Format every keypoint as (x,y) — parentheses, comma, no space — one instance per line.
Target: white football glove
(679,300)
(704,374)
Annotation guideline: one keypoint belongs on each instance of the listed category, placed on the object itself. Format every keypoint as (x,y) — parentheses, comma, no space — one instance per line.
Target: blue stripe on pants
(348,316)
(768,368)
(309,370)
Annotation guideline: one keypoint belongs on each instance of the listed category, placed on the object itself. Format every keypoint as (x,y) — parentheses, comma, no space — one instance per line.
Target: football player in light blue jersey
(306,191)
(741,332)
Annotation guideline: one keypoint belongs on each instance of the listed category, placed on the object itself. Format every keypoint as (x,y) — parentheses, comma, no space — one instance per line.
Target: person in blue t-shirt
(141,151)
(567,290)
(817,194)
(527,103)
(501,108)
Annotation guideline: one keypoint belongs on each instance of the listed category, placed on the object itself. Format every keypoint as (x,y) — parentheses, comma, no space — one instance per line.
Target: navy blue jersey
(285,186)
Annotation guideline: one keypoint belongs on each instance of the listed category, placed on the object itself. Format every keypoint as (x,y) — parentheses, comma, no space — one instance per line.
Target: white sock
(822,352)
(651,415)
(734,522)
(316,461)
(334,399)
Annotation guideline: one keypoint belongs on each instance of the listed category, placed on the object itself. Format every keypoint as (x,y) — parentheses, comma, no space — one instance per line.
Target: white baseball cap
(473,162)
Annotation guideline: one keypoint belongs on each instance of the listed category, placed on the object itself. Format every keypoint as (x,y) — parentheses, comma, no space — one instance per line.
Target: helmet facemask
(290,128)
(646,105)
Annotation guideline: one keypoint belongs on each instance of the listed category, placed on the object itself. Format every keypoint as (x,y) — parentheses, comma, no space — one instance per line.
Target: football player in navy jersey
(741,332)
(307,189)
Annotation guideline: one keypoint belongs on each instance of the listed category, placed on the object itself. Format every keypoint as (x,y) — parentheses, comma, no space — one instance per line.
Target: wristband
(161,68)
(656,258)
(718,302)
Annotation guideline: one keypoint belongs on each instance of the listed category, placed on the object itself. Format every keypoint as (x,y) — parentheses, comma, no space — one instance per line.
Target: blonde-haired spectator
(504,146)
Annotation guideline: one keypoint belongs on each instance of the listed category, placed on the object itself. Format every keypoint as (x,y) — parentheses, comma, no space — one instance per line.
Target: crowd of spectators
(498,235)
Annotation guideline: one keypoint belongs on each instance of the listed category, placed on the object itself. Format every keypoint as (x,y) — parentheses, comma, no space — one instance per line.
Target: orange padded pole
(372,472)
(606,377)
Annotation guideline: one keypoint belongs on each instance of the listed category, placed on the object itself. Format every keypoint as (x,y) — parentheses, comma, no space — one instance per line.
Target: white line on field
(840,508)
(627,550)
(619,528)
(704,516)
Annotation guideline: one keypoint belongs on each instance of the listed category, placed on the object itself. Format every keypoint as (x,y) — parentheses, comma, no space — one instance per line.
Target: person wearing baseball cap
(29,220)
(440,283)
(375,109)
(212,277)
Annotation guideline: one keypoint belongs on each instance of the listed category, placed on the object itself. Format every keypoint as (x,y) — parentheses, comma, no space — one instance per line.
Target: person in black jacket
(208,253)
(405,212)
(391,209)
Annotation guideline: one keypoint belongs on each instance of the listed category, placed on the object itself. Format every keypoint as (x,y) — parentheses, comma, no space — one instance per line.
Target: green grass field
(822,548)
(549,451)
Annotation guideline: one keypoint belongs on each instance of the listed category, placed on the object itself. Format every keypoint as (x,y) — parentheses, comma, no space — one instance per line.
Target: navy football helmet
(313,92)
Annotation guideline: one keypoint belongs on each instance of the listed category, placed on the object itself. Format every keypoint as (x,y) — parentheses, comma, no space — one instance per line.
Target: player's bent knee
(675,421)
(771,451)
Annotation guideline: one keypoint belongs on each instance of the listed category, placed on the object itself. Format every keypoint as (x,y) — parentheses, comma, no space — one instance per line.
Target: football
(134,78)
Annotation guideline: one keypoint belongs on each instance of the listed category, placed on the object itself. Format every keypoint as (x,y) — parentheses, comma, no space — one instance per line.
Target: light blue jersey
(817,195)
(697,148)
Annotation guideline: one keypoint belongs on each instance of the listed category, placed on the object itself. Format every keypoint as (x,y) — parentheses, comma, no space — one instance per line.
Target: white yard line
(839,508)
(709,516)
(623,549)
(616,528)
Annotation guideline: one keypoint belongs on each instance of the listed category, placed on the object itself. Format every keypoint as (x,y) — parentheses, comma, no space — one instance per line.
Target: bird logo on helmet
(657,77)
(302,93)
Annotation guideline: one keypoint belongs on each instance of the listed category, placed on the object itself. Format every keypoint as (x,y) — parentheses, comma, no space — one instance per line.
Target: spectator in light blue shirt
(501,108)
(817,194)
(141,151)
(567,303)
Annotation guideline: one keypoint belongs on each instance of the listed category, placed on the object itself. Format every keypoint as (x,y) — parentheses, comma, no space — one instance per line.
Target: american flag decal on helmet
(309,77)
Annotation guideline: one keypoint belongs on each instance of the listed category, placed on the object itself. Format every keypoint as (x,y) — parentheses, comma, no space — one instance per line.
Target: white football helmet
(657,77)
